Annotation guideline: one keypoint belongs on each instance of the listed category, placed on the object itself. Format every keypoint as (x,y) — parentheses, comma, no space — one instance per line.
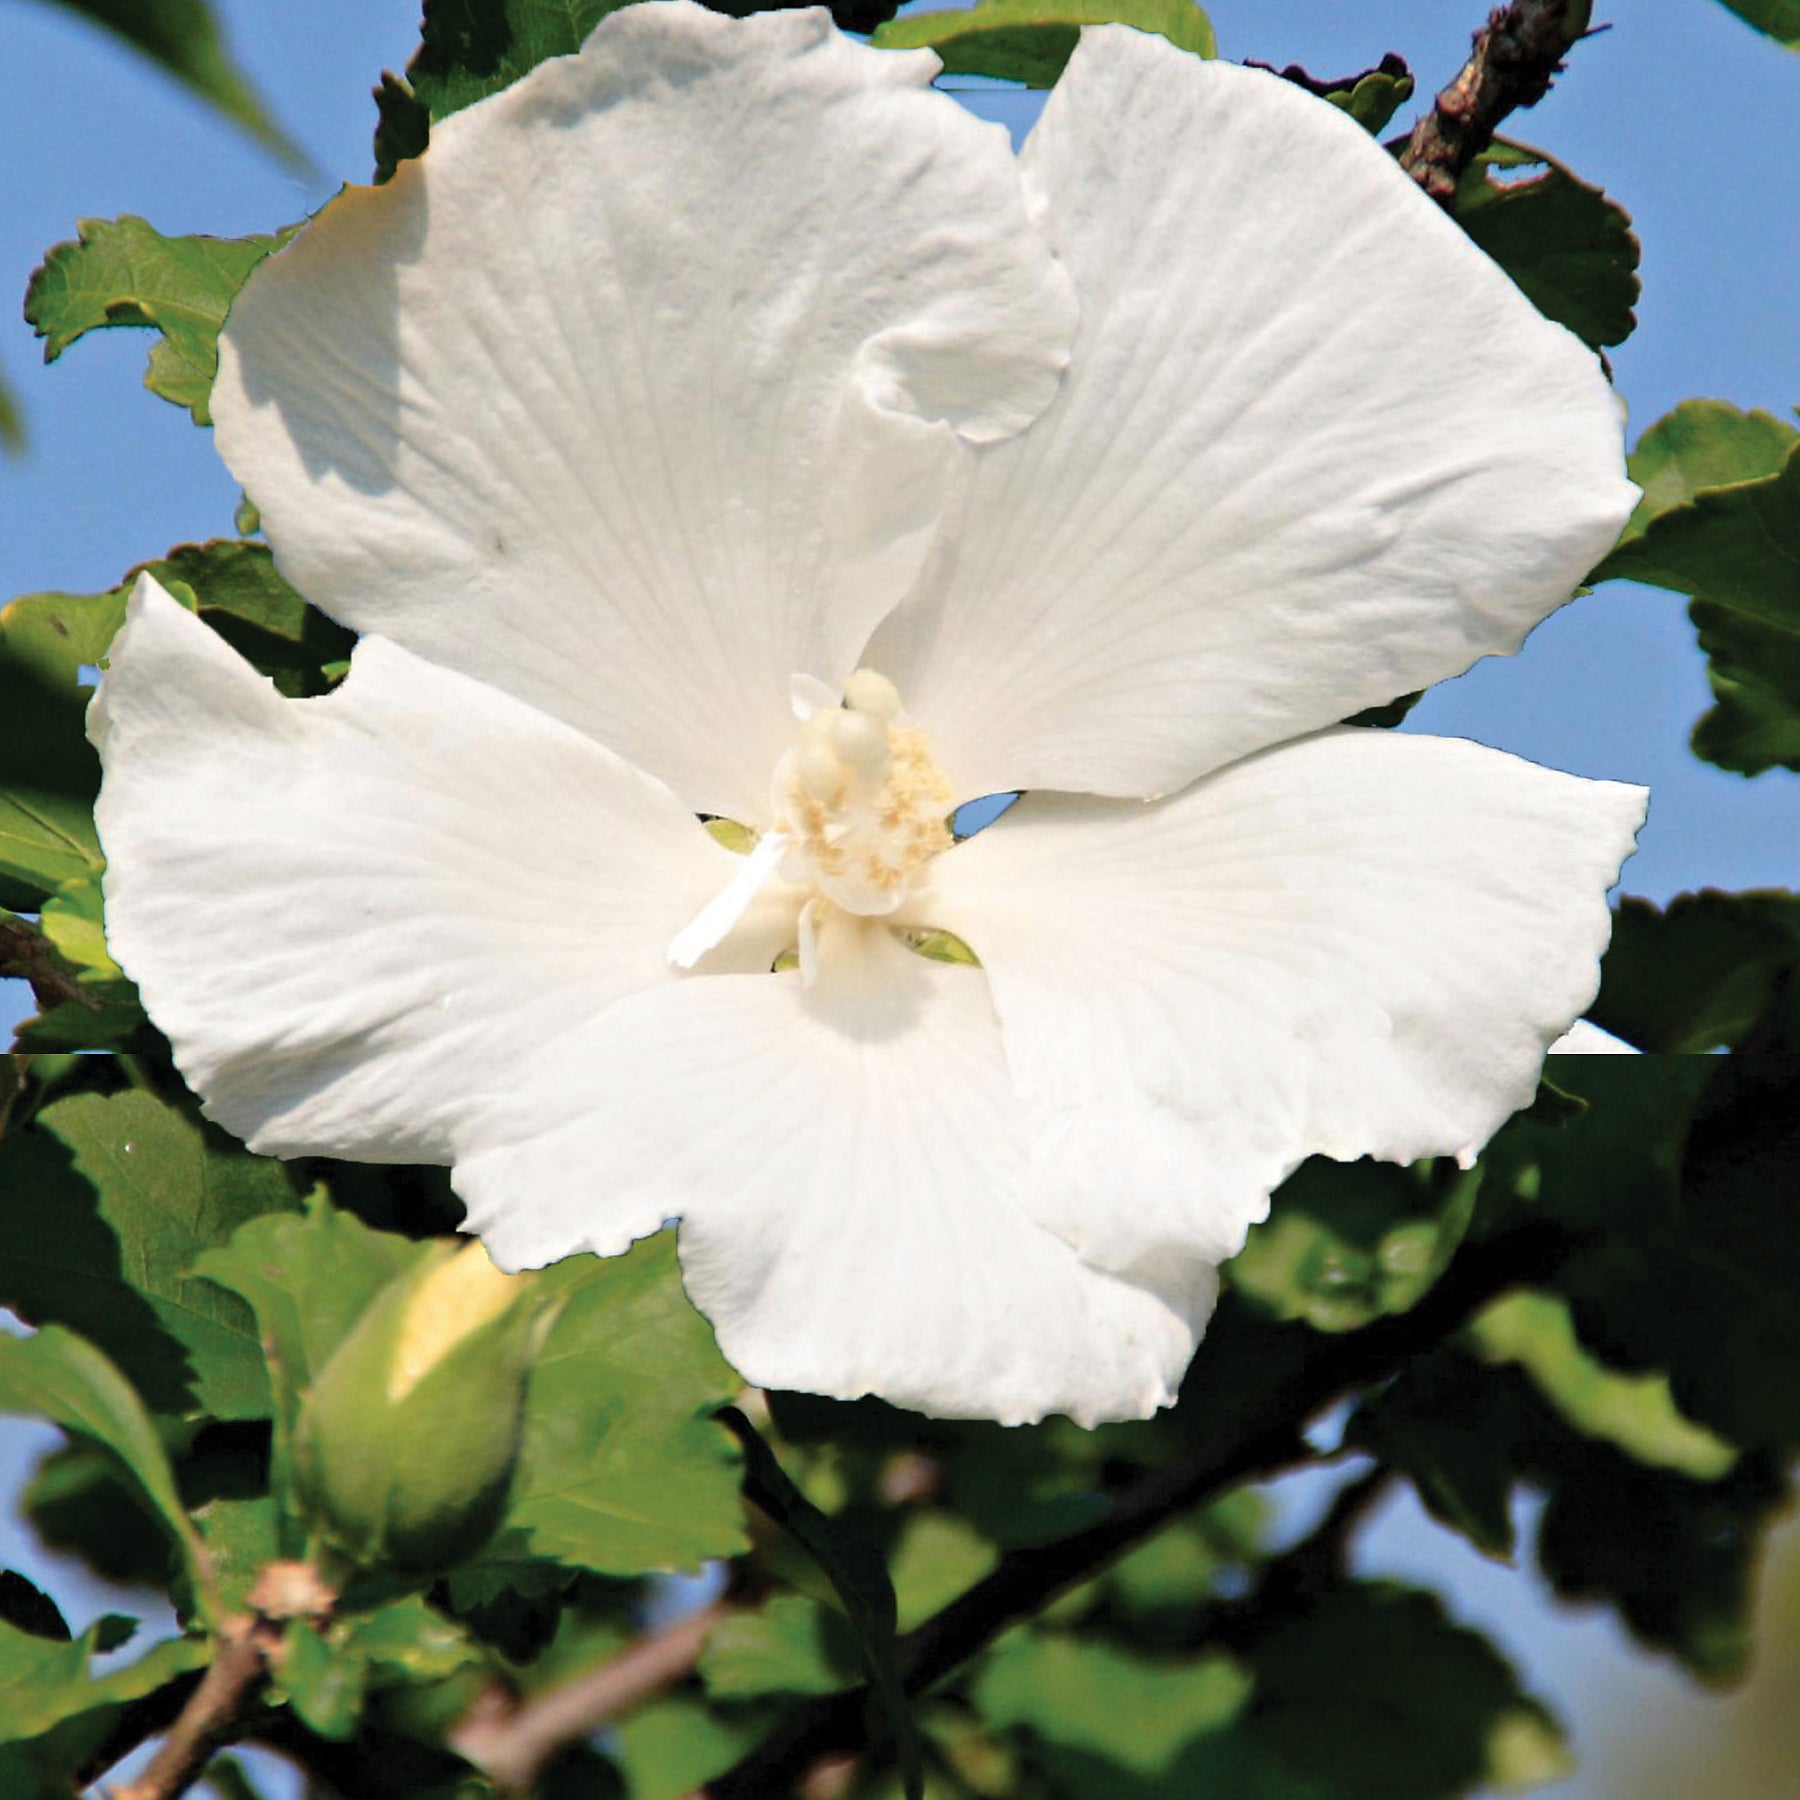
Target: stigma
(861,801)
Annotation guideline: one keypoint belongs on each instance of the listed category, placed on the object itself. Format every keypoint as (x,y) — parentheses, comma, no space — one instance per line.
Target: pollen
(862,800)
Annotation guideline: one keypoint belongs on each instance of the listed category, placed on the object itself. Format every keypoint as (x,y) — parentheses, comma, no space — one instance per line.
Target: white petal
(353,915)
(637,393)
(1315,450)
(1584,1038)
(844,1160)
(1357,944)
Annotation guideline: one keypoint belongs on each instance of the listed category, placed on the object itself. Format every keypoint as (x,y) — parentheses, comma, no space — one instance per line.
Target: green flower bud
(406,1442)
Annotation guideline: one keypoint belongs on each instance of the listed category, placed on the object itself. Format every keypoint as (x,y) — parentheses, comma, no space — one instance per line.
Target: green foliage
(1346,1243)
(100,1008)
(1720,520)
(860,1581)
(1710,971)
(1780,19)
(105,1203)
(624,1469)
(1702,444)
(1030,41)
(1638,1365)
(63,1378)
(125,272)
(1569,248)
(1370,98)
(183,38)
(790,1645)
(49,774)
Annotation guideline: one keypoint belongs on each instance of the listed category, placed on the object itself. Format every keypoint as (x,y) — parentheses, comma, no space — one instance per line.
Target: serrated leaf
(46,1684)
(124,272)
(789,1645)
(1675,1556)
(1371,97)
(1703,444)
(1737,546)
(1779,19)
(1031,41)
(307,1279)
(183,38)
(105,1202)
(1085,1694)
(63,1378)
(1569,248)
(1701,974)
(624,1468)
(469,49)
(1753,668)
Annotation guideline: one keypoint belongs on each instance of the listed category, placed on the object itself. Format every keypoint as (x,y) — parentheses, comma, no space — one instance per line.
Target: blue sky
(1681,112)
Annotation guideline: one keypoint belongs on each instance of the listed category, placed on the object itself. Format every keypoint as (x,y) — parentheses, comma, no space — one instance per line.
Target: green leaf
(46,1683)
(1735,547)
(307,1278)
(1370,98)
(1088,1695)
(49,774)
(183,38)
(1779,19)
(1372,1692)
(66,1380)
(1738,546)
(124,272)
(469,49)
(323,1681)
(789,1645)
(1032,40)
(105,1202)
(1753,668)
(624,1468)
(1675,1556)
(1634,1412)
(673,1747)
(1702,974)
(1568,247)
(105,1013)
(1703,444)
(860,1580)
(1346,1243)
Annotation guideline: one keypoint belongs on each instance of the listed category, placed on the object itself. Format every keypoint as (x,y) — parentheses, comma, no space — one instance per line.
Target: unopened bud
(406,1442)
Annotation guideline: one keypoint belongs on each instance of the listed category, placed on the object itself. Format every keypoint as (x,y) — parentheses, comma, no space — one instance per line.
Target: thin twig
(1024,1581)
(213,1712)
(1517,54)
(26,953)
(512,1742)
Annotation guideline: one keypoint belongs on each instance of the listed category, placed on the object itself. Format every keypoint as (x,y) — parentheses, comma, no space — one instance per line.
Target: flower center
(861,800)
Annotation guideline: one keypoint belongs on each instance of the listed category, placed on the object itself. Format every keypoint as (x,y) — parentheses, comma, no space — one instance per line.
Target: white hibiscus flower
(726,371)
